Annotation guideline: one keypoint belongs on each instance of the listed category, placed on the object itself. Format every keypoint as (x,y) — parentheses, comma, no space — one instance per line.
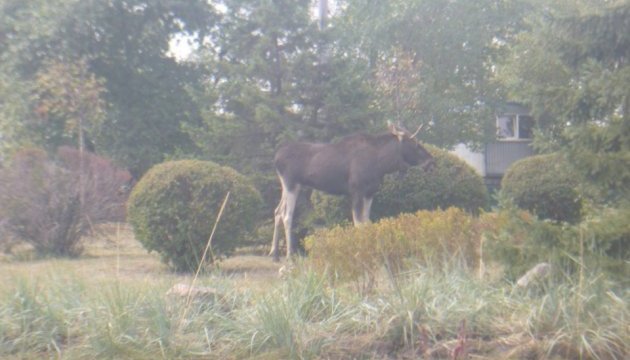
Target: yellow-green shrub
(431,238)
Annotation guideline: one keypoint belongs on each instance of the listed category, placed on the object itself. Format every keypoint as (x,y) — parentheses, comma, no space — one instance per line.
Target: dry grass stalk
(203,258)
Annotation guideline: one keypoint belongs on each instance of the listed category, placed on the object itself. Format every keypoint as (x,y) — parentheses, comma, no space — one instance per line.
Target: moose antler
(417,131)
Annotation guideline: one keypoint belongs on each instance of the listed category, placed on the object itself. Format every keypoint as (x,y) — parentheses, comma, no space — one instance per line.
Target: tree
(442,51)
(576,62)
(125,42)
(67,90)
(20,43)
(274,76)
(398,80)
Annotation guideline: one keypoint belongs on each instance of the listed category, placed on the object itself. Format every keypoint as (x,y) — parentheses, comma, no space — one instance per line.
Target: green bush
(328,210)
(174,205)
(451,183)
(544,186)
(431,238)
(518,240)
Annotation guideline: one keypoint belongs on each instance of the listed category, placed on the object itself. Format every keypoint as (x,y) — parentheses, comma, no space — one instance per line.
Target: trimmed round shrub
(175,204)
(451,183)
(543,185)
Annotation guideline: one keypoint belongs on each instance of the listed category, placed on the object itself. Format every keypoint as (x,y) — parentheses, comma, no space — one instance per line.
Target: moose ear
(395,131)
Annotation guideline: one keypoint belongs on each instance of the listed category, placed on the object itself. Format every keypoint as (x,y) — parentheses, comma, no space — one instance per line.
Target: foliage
(398,80)
(574,58)
(52,204)
(518,240)
(448,84)
(70,93)
(515,239)
(451,183)
(173,206)
(429,238)
(327,210)
(282,81)
(123,42)
(274,77)
(545,186)
(104,184)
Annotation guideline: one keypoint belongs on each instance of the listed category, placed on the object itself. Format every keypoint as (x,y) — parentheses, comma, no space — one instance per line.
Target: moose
(355,166)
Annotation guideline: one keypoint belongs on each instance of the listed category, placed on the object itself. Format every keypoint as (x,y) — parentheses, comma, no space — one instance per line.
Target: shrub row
(513,238)
(431,238)
(171,205)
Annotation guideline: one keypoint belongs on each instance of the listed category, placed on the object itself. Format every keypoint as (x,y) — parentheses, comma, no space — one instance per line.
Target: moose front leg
(367,204)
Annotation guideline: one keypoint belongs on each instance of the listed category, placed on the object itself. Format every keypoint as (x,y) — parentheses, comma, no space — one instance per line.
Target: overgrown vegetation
(429,311)
(172,209)
(101,75)
(428,238)
(50,203)
(519,240)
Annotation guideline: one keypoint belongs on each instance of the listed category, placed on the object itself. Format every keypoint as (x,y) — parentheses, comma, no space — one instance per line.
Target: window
(505,126)
(525,126)
(514,127)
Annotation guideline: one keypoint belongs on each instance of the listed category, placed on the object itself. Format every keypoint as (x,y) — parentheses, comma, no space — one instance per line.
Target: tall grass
(30,320)
(424,312)
(294,320)
(578,319)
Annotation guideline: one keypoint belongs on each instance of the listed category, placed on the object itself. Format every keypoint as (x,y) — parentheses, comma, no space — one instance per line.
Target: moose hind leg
(278,215)
(290,201)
